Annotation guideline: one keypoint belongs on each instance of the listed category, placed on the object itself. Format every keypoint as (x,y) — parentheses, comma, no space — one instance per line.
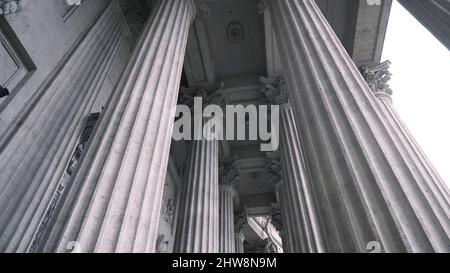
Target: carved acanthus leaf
(8,6)
(377,77)
(276,216)
(240,220)
(273,166)
(269,246)
(273,90)
(214,96)
(229,172)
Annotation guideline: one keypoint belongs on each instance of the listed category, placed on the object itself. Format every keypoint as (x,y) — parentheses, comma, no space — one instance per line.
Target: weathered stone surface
(380,75)
(302,231)
(229,183)
(198,218)
(35,154)
(348,174)
(115,201)
(368,184)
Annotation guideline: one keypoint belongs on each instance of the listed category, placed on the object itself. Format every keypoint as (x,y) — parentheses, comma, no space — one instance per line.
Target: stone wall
(59,64)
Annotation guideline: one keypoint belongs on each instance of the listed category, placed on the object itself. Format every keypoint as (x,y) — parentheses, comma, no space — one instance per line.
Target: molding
(213,95)
(73,6)
(199,65)
(273,59)
(433,15)
(368,41)
(64,182)
(16,52)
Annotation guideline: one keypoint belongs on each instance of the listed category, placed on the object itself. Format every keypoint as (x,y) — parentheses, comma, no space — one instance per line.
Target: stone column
(301,224)
(198,218)
(283,227)
(367,184)
(378,77)
(240,223)
(229,181)
(239,242)
(434,15)
(273,166)
(35,153)
(115,199)
(302,217)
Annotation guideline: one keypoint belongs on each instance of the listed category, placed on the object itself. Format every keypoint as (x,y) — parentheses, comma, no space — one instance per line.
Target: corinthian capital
(214,96)
(273,90)
(273,166)
(203,10)
(276,217)
(8,6)
(229,172)
(377,77)
(240,220)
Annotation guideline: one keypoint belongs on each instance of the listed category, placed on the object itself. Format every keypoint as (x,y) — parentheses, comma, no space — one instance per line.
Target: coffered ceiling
(236,45)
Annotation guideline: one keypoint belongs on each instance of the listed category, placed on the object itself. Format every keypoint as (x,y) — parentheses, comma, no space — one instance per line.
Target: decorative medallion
(235,32)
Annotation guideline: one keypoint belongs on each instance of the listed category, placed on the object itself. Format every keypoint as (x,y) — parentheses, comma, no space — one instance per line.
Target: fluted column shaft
(239,242)
(300,215)
(34,155)
(226,219)
(299,225)
(378,77)
(229,182)
(368,186)
(434,15)
(400,128)
(115,199)
(198,217)
(285,206)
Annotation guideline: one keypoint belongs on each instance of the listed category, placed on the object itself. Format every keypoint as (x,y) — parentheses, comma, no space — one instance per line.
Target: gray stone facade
(88,91)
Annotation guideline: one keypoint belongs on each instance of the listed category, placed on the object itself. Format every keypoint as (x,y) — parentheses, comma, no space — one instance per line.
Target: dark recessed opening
(3,91)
